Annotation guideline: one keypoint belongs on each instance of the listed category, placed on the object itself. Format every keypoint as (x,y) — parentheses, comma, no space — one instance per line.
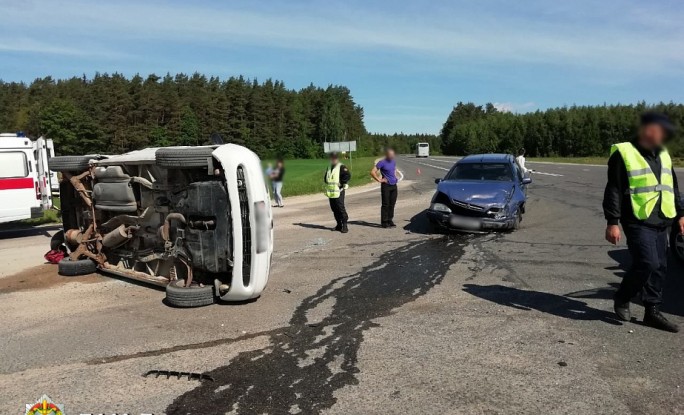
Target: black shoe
(391,224)
(385,225)
(344,228)
(622,310)
(655,319)
(338,227)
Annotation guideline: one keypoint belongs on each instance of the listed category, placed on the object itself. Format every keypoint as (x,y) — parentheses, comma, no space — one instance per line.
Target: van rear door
(43,172)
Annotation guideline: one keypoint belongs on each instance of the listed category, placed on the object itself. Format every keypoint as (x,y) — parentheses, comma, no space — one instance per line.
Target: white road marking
(445,169)
(547,174)
(427,165)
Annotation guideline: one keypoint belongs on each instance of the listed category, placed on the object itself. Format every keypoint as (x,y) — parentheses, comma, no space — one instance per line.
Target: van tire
(70,163)
(69,268)
(186,158)
(194,296)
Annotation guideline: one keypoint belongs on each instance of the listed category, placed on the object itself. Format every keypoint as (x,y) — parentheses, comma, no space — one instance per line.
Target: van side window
(13,164)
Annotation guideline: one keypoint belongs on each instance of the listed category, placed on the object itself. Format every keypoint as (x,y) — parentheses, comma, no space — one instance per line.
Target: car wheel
(186,158)
(69,268)
(70,163)
(518,219)
(677,244)
(194,296)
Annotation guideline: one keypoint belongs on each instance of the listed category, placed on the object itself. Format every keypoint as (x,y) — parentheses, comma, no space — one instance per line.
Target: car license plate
(464,223)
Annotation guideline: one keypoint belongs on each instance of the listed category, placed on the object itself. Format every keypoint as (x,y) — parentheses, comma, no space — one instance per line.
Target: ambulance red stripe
(13,184)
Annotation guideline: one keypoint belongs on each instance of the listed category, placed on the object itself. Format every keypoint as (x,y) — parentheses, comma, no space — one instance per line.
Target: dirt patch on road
(41,277)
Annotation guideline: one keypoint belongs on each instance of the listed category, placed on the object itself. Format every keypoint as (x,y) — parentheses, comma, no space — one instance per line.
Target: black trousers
(338,209)
(389,199)
(648,248)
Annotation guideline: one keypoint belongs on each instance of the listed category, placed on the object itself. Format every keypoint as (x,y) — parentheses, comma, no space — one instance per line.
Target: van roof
(11,140)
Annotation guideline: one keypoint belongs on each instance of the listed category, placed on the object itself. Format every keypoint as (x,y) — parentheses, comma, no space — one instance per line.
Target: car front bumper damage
(467,223)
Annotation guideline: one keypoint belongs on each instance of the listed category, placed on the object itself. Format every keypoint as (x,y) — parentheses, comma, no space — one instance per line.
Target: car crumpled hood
(481,193)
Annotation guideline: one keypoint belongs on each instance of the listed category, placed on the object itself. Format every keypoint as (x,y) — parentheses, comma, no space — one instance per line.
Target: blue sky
(407,63)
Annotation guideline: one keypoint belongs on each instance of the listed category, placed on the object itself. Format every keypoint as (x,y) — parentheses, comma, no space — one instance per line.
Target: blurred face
(334,158)
(279,164)
(652,136)
(389,154)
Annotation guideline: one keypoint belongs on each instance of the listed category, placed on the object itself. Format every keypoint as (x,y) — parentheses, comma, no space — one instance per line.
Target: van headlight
(263,226)
(440,207)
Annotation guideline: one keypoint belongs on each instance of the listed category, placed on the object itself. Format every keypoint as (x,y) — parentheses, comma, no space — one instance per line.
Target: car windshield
(500,172)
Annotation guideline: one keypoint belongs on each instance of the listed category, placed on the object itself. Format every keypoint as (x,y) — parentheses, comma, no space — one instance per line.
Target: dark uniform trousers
(648,248)
(389,199)
(337,206)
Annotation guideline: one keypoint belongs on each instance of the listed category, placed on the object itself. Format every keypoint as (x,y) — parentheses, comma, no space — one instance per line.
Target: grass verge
(305,176)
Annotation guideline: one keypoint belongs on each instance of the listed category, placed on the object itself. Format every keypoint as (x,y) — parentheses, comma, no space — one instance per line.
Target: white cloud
(456,36)
(514,107)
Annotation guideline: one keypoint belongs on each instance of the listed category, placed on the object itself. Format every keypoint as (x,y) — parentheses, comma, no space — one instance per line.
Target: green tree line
(577,131)
(113,114)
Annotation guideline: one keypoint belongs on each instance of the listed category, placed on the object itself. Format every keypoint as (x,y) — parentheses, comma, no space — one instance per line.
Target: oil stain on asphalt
(306,363)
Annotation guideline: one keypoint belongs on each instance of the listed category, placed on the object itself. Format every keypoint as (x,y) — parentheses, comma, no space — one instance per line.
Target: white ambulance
(25,182)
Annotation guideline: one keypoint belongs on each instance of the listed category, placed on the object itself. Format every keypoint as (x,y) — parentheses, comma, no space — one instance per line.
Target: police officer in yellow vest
(642,194)
(336,178)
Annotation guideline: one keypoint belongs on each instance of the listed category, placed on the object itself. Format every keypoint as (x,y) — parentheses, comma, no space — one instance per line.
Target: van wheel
(194,296)
(186,158)
(70,163)
(69,268)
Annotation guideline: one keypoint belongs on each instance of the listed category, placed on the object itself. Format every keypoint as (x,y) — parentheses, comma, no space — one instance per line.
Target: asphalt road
(372,322)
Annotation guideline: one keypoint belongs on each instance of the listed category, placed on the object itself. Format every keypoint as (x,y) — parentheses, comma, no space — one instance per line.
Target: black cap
(659,119)
(334,155)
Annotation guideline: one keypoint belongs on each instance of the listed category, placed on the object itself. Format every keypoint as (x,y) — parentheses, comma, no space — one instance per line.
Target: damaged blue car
(481,192)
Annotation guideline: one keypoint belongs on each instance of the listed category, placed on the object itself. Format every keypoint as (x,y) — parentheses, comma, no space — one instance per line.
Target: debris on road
(562,364)
(179,375)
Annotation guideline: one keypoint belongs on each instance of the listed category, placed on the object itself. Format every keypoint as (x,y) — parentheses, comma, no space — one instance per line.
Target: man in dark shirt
(647,236)
(385,173)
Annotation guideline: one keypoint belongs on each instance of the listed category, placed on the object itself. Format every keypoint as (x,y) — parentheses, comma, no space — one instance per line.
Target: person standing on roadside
(642,194)
(336,181)
(521,161)
(385,173)
(277,175)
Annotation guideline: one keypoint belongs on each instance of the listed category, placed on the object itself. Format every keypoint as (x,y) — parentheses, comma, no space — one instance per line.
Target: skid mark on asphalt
(307,362)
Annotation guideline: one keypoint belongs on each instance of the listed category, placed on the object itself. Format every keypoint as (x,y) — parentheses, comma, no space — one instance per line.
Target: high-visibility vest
(332,181)
(644,188)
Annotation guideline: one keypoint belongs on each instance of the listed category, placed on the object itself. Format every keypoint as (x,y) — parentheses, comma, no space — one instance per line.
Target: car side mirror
(438,181)
(527,180)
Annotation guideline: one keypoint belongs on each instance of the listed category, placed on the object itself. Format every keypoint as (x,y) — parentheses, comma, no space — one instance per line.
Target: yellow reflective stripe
(655,189)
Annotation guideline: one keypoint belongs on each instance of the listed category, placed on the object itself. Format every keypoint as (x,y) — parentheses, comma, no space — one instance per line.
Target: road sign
(339,146)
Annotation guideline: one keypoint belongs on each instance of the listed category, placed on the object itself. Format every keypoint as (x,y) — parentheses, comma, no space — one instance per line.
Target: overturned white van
(194,219)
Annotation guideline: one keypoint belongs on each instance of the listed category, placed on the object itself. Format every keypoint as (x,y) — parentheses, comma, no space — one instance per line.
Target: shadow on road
(308,361)
(11,233)
(556,305)
(603,293)
(314,226)
(364,223)
(419,224)
(673,292)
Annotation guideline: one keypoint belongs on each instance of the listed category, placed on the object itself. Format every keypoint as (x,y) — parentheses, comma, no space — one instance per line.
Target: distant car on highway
(196,220)
(423,150)
(481,192)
